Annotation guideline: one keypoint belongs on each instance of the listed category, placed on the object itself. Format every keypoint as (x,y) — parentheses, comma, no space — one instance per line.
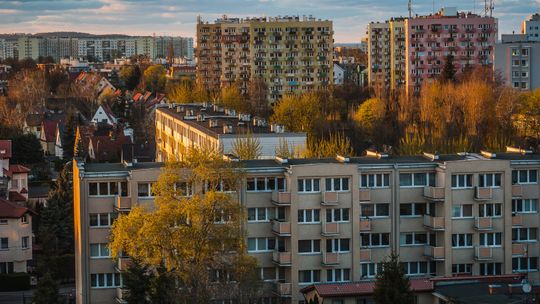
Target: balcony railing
(434,253)
(281,228)
(483,194)
(483,253)
(121,295)
(283,289)
(517,190)
(483,223)
(282,258)
(519,250)
(365,255)
(123,263)
(330,198)
(365,195)
(329,229)
(330,258)
(434,193)
(434,222)
(365,224)
(517,219)
(122,203)
(281,198)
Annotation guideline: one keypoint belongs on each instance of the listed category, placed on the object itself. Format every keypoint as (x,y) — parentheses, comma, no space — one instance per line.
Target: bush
(14,281)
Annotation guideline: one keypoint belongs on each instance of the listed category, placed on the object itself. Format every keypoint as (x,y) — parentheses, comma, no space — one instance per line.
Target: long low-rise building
(335,220)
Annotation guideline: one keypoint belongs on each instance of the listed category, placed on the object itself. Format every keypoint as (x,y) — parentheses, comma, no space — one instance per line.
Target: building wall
(515,61)
(531,27)
(15,230)
(28,48)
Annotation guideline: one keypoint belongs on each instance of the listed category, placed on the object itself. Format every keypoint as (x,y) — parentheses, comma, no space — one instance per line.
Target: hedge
(14,281)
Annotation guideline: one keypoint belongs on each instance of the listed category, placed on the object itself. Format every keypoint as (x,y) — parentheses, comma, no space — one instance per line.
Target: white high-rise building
(531,27)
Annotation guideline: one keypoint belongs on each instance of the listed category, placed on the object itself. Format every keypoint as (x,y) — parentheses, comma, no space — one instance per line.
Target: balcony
(122,264)
(517,219)
(122,203)
(517,190)
(483,194)
(329,198)
(434,193)
(365,195)
(519,250)
(365,255)
(365,224)
(283,290)
(435,223)
(281,198)
(482,253)
(330,229)
(483,223)
(121,295)
(282,258)
(330,259)
(281,228)
(434,253)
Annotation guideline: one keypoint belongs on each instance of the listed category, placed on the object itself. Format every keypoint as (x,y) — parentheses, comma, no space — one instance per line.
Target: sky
(178,17)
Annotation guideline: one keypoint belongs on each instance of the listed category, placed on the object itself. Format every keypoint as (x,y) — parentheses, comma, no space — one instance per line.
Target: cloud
(178,17)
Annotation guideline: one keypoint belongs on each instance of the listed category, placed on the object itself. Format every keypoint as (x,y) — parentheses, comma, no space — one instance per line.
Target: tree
(200,93)
(26,149)
(137,280)
(257,91)
(247,147)
(180,93)
(335,144)
(47,291)
(298,113)
(130,76)
(155,78)
(190,236)
(392,286)
(285,150)
(370,115)
(232,98)
(449,71)
(68,140)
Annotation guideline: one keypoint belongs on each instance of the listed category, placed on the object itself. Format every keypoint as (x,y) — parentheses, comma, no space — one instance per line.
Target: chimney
(282,160)
(375,154)
(342,159)
(487,154)
(510,149)
(431,156)
(230,158)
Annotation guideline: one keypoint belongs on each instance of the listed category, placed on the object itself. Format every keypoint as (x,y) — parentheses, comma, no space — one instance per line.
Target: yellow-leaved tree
(247,147)
(194,234)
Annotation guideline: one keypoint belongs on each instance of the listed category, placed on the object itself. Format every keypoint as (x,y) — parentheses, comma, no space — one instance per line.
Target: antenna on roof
(489,6)
(410,8)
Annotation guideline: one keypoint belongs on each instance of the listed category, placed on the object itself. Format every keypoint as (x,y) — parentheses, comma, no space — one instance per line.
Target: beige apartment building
(334,220)
(291,54)
(15,237)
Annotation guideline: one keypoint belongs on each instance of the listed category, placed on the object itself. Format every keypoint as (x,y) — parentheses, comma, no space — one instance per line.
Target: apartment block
(516,57)
(413,51)
(28,47)
(290,54)
(335,220)
(214,127)
(15,237)
(59,48)
(173,47)
(531,27)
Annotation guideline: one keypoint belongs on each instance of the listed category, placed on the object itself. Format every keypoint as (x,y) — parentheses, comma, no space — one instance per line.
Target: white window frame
(490,237)
(375,210)
(312,247)
(24,219)
(525,238)
(493,179)
(414,184)
(415,210)
(99,250)
(338,275)
(267,242)
(466,267)
(371,245)
(110,220)
(520,261)
(115,277)
(336,245)
(312,213)
(372,181)
(23,245)
(517,177)
(462,181)
(4,221)
(467,237)
(337,188)
(267,216)
(490,269)
(311,275)
(403,239)
(372,269)
(312,183)
(461,211)
(485,207)
(340,212)
(277,182)
(529,203)
(417,265)
(150,194)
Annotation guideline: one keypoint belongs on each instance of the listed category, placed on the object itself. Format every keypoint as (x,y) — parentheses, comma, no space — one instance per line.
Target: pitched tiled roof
(16,169)
(107,148)
(15,196)
(361,288)
(11,210)
(137,96)
(49,129)
(5,148)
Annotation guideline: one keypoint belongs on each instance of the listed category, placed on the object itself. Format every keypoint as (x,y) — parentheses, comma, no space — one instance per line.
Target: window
(369,240)
(524,235)
(489,180)
(338,275)
(100,250)
(25,242)
(6,267)
(524,206)
(461,268)
(338,215)
(415,238)
(524,264)
(105,280)
(183,189)
(24,219)
(413,209)
(144,190)
(417,268)
(462,211)
(259,214)
(337,184)
(309,216)
(309,246)
(490,269)
(370,270)
(460,181)
(379,180)
(3,221)
(266,184)
(416,179)
(489,210)
(261,244)
(268,273)
(524,177)
(309,276)
(308,185)
(102,219)
(374,210)
(461,240)
(491,239)
(108,188)
(4,243)
(338,245)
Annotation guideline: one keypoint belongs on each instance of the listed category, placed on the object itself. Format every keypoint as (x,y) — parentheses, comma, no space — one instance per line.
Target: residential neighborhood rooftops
(11,210)
(362,288)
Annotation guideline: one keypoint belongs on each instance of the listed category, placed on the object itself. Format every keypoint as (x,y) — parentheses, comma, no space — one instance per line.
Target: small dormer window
(24,219)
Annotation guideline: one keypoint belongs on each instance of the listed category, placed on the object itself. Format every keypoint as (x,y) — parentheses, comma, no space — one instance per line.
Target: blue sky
(178,17)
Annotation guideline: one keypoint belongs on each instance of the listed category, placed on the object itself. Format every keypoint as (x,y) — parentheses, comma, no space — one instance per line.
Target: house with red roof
(47,135)
(107,148)
(15,237)
(104,114)
(13,178)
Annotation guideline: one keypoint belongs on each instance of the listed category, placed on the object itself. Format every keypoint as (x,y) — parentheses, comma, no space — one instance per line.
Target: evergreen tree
(68,139)
(137,281)
(392,286)
(26,149)
(449,72)
(47,291)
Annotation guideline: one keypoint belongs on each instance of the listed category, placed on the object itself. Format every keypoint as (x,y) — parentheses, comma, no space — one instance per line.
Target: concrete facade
(516,57)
